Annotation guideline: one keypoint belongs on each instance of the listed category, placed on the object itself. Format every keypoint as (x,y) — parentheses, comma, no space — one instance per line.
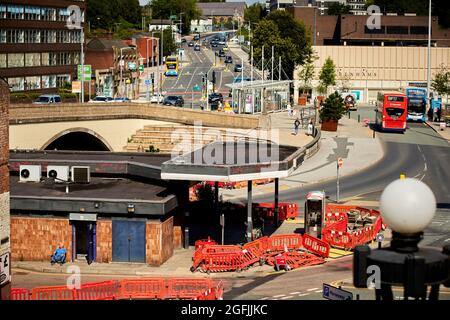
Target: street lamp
(404,263)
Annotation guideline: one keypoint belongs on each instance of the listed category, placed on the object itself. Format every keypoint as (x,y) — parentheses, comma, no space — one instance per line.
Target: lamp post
(429,56)
(404,263)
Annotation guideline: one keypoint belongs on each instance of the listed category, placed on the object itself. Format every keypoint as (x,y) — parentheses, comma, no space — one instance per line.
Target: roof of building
(227,9)
(105,44)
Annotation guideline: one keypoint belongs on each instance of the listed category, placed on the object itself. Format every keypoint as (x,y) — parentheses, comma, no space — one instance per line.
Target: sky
(144,2)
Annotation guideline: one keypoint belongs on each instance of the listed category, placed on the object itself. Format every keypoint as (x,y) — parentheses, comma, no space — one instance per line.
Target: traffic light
(213,77)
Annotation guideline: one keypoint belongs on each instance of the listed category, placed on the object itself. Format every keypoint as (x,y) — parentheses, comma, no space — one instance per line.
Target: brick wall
(35,239)
(4,180)
(159,242)
(104,241)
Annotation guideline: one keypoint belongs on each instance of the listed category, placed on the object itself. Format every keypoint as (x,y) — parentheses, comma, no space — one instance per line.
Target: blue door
(128,243)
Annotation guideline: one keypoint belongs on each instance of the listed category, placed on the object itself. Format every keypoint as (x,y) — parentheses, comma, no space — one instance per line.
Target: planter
(329,125)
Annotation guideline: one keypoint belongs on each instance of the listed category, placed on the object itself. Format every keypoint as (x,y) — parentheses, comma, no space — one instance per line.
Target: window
(418,30)
(2,36)
(48,14)
(76,58)
(14,36)
(62,79)
(32,36)
(395,99)
(14,12)
(16,84)
(48,82)
(32,13)
(2,11)
(48,36)
(397,30)
(32,83)
(2,60)
(63,14)
(32,59)
(48,59)
(395,112)
(16,60)
(63,58)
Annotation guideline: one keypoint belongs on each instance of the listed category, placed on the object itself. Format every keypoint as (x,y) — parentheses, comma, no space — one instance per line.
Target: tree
(168,42)
(254,13)
(441,81)
(289,37)
(336,9)
(306,73)
(327,74)
(104,14)
(333,108)
(186,10)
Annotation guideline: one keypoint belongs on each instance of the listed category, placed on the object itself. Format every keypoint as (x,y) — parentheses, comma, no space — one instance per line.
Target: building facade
(222,11)
(38,52)
(5,263)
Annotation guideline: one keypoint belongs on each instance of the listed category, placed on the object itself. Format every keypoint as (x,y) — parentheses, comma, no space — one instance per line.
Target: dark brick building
(38,52)
(4,191)
(407,30)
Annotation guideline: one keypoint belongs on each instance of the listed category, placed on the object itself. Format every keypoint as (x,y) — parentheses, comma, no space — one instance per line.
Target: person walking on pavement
(296,125)
(289,109)
(438,114)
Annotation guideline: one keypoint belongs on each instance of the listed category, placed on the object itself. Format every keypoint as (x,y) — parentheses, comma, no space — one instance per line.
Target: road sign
(333,293)
(76,87)
(141,68)
(340,162)
(173,17)
(87,72)
(5,269)
(197,88)
(131,66)
(148,82)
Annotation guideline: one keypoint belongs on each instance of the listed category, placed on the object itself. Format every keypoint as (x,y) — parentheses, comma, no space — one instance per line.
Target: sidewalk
(353,142)
(443,133)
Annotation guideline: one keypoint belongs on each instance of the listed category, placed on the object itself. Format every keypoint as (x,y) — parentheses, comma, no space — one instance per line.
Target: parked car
(157,98)
(191,44)
(196,37)
(213,44)
(237,67)
(215,97)
(101,99)
(48,99)
(228,59)
(122,99)
(197,47)
(176,101)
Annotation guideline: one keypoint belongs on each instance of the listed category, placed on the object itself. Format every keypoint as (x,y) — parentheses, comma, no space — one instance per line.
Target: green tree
(327,74)
(168,42)
(254,13)
(104,14)
(289,37)
(186,10)
(441,81)
(333,108)
(307,73)
(336,9)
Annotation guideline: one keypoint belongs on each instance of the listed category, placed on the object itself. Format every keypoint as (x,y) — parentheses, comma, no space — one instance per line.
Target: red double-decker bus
(391,111)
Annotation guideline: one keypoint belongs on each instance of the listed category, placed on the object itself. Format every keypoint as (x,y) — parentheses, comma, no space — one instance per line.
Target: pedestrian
(430,114)
(435,111)
(296,125)
(310,128)
(60,255)
(289,109)
(438,114)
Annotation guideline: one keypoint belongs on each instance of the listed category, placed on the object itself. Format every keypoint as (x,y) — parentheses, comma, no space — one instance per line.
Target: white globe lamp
(407,206)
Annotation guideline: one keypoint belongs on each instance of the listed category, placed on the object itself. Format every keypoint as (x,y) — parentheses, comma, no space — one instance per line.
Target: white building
(201,25)
(156,25)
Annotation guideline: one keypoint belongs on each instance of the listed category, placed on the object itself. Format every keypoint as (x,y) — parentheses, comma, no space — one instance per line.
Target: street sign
(340,162)
(5,269)
(197,88)
(87,72)
(173,17)
(148,82)
(333,293)
(141,68)
(131,66)
(76,87)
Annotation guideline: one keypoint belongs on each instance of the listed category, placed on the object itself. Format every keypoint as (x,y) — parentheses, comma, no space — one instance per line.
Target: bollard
(359,118)
(186,237)
(349,114)
(373,135)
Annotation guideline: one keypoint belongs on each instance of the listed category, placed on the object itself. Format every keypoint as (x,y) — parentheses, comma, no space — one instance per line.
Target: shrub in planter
(332,110)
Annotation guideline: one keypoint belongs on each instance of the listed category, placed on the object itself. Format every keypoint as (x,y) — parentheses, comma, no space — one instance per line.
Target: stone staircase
(168,138)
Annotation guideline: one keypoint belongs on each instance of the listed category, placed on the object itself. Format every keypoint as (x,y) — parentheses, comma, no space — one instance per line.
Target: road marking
(303,294)
(280,295)
(294,293)
(312,289)
(318,291)
(447,240)
(265,298)
(287,297)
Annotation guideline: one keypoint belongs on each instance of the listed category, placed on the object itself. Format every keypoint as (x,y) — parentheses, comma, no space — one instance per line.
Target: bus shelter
(260,96)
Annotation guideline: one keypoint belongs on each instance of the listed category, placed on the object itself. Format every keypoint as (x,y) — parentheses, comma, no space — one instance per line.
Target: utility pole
(272,61)
(262,64)
(279,68)
(251,66)
(82,64)
(429,57)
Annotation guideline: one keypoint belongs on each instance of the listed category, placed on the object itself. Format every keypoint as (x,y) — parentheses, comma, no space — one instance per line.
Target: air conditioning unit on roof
(30,173)
(59,173)
(81,174)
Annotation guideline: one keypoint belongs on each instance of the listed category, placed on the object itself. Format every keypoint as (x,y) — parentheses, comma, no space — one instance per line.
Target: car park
(48,99)
(176,101)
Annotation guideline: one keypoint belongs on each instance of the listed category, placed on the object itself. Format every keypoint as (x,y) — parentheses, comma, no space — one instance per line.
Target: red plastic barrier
(283,241)
(53,293)
(317,246)
(20,294)
(258,246)
(105,290)
(180,288)
(199,244)
(149,288)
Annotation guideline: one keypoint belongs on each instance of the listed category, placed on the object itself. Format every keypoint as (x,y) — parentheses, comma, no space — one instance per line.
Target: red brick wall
(4,138)
(159,242)
(104,241)
(35,239)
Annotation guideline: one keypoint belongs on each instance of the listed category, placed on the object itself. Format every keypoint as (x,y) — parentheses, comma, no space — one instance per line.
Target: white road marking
(447,240)
(294,293)
(265,298)
(313,289)
(280,295)
(318,291)
(303,294)
(287,297)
